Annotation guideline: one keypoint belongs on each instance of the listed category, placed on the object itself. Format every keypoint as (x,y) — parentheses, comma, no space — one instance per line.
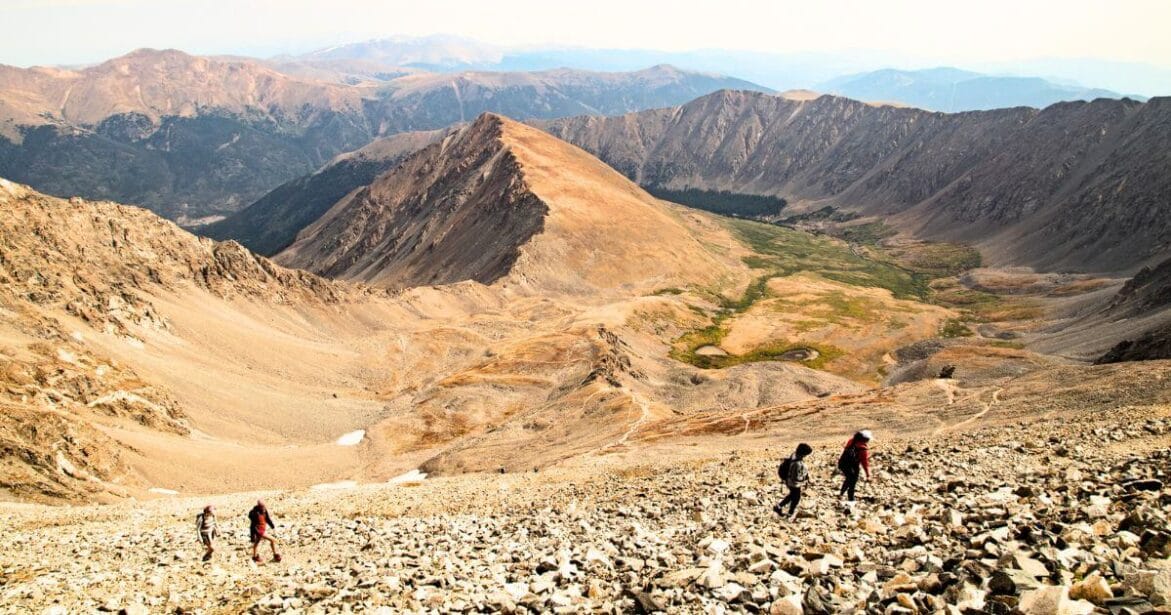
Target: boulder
(1053,600)
(789,605)
(1092,588)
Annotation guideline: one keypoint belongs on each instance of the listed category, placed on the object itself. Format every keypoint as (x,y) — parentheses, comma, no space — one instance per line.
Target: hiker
(795,474)
(854,460)
(259,520)
(205,526)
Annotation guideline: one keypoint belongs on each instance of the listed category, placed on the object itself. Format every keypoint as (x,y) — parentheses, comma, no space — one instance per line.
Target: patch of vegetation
(773,351)
(756,291)
(828,212)
(783,251)
(722,202)
(954,328)
(857,308)
(869,234)
(671,290)
(686,346)
(982,306)
(939,259)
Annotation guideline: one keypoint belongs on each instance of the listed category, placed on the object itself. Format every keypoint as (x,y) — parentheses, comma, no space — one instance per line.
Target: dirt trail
(992,402)
(643,418)
(949,387)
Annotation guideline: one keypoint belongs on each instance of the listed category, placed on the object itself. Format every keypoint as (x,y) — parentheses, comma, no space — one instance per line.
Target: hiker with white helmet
(854,460)
(207,529)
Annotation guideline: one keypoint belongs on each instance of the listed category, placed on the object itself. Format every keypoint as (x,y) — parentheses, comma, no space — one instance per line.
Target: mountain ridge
(195,138)
(498,199)
(995,178)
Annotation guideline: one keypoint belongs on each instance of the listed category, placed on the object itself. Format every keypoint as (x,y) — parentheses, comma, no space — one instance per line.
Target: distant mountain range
(952,90)
(778,71)
(192,137)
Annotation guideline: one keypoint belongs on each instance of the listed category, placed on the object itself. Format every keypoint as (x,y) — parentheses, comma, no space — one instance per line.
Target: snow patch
(414,476)
(161,491)
(352,439)
(135,343)
(341,484)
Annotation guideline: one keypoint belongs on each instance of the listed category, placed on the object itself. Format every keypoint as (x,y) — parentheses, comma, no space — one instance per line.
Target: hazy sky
(924,31)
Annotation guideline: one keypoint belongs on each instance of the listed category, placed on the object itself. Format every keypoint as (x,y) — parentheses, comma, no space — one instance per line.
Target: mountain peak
(501,202)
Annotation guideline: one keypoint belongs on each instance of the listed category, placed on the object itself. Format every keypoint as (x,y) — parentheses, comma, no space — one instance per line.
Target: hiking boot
(777,509)
(276,557)
(256,558)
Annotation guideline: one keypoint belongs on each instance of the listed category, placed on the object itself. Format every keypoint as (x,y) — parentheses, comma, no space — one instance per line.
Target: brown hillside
(502,199)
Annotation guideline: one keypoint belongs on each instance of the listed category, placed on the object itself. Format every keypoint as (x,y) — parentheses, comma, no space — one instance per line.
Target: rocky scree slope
(1060,515)
(70,269)
(1072,186)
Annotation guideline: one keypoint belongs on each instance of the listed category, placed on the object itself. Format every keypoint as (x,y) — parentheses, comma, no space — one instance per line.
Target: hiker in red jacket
(259,520)
(854,460)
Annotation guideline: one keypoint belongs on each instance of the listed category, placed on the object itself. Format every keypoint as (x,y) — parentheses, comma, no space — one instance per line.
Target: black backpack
(784,468)
(849,461)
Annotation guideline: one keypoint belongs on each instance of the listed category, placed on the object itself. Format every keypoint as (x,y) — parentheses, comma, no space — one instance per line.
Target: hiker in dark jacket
(205,526)
(795,475)
(259,520)
(854,460)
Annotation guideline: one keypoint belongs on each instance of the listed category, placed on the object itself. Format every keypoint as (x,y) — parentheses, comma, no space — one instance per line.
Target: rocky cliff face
(192,137)
(1075,185)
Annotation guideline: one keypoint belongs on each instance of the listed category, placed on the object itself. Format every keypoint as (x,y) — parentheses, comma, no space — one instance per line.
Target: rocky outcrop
(1072,186)
(1147,294)
(1153,345)
(1147,291)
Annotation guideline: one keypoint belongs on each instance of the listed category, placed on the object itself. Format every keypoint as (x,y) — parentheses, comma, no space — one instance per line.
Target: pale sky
(925,31)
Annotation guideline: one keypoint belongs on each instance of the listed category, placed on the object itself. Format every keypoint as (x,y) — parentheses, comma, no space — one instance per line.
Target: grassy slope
(908,272)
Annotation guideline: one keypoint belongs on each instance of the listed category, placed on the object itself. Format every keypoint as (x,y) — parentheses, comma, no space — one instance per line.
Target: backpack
(784,469)
(849,461)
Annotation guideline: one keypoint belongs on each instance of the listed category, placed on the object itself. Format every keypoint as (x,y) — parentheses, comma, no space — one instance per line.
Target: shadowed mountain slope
(1076,185)
(270,224)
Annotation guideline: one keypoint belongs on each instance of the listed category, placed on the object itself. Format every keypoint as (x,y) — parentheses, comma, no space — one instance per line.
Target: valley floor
(983,511)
